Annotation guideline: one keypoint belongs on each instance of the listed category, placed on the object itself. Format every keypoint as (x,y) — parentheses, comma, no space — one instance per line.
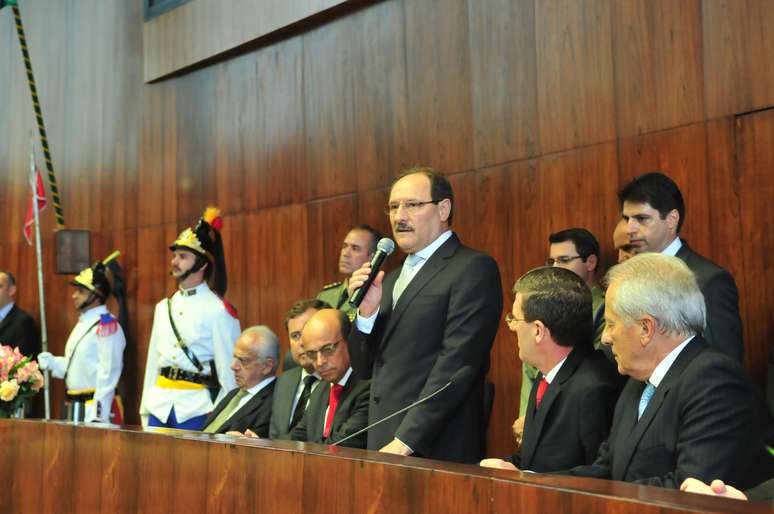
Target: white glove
(44,360)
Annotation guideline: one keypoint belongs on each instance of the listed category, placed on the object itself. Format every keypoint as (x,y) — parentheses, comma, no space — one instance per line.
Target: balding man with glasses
(339,407)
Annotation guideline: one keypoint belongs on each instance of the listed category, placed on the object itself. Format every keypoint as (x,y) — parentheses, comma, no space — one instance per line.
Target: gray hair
(266,342)
(661,286)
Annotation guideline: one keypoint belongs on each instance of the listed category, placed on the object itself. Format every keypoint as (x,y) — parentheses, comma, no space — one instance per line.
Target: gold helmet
(205,242)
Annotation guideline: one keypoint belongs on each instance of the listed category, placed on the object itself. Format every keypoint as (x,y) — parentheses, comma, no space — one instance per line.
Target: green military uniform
(530,373)
(336,296)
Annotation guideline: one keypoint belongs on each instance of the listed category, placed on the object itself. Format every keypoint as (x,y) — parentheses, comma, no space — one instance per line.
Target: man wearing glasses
(571,406)
(423,322)
(339,407)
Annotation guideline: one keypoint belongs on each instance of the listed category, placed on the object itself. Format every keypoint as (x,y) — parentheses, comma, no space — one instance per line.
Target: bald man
(339,407)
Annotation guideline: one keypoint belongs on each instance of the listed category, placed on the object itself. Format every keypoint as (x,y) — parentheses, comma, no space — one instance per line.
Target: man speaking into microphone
(422,322)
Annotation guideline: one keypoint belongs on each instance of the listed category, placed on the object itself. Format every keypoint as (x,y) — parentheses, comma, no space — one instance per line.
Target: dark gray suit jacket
(574,417)
(351,415)
(706,421)
(254,414)
(18,329)
(724,326)
(284,394)
(445,319)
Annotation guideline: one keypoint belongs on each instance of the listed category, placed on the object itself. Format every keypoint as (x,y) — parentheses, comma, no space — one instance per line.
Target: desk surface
(64,468)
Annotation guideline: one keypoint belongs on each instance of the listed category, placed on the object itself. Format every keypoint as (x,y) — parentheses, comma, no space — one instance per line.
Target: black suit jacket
(446,318)
(284,394)
(254,414)
(574,417)
(724,326)
(705,420)
(18,329)
(351,415)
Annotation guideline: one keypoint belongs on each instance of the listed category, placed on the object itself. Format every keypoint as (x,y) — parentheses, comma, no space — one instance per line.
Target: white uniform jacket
(209,331)
(93,359)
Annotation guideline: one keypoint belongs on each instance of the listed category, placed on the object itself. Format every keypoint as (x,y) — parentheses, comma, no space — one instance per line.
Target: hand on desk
(497,464)
(716,488)
(397,448)
(248,433)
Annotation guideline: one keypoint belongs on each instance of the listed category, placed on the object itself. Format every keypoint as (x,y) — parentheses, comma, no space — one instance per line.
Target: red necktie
(333,402)
(542,386)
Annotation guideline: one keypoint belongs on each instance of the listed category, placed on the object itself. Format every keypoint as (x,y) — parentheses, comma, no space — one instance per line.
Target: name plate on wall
(199,30)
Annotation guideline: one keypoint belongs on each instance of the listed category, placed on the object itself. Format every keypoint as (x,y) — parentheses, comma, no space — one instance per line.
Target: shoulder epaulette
(108,325)
(230,309)
(331,285)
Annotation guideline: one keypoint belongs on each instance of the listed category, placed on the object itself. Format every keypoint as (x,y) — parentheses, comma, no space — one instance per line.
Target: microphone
(460,375)
(384,247)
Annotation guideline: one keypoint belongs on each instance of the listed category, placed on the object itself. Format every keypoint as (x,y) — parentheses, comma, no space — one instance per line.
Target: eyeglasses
(562,259)
(325,350)
(510,319)
(411,206)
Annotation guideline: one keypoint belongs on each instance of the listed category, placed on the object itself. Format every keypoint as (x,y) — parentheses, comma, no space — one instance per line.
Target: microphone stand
(401,411)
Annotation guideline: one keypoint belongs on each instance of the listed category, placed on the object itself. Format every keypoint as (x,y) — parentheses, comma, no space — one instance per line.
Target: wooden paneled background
(537,109)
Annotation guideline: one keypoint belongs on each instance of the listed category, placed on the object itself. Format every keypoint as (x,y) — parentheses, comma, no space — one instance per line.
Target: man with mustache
(357,248)
(193,334)
(653,209)
(421,323)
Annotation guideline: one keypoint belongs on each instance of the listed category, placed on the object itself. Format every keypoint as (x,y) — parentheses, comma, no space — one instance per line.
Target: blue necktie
(647,394)
(406,274)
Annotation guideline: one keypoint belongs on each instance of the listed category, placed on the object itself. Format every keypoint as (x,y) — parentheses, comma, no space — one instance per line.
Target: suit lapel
(538,419)
(630,443)
(251,405)
(342,413)
(220,406)
(430,269)
(287,395)
(316,421)
(8,319)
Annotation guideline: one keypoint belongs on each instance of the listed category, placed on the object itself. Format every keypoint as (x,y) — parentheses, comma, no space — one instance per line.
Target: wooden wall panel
(574,74)
(440,99)
(503,73)
(657,61)
(755,160)
(328,109)
(329,222)
(738,44)
(274,152)
(380,95)
(681,153)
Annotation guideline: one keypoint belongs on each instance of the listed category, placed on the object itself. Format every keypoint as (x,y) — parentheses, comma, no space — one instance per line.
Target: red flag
(30,218)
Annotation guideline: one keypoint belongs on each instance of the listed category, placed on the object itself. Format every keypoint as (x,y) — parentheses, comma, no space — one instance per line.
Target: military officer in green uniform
(358,247)
(577,250)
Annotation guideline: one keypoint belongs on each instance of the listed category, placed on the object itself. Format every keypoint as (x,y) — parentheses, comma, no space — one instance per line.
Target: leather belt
(80,397)
(189,376)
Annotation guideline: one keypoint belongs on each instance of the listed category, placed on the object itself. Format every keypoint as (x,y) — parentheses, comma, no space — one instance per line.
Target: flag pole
(41,291)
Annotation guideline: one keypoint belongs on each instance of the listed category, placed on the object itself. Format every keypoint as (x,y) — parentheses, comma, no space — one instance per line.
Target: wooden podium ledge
(62,468)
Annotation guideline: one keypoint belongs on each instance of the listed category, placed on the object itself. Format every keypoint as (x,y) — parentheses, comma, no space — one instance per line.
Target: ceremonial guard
(93,359)
(193,334)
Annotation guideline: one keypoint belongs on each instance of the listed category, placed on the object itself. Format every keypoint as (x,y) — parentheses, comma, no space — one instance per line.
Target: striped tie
(647,394)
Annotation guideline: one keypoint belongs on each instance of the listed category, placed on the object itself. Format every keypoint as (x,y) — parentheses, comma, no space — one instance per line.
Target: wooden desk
(56,467)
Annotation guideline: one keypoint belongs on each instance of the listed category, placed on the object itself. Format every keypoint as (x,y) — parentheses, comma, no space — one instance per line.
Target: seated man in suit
(571,404)
(577,250)
(295,386)
(653,209)
(248,406)
(339,407)
(687,409)
(17,328)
